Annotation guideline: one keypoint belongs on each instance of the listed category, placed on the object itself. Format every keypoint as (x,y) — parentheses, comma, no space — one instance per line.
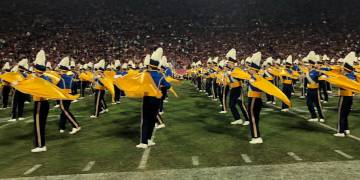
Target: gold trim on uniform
(235,84)
(37,121)
(254,94)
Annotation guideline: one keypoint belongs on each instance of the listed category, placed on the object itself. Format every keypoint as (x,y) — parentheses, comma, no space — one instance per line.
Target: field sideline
(198,142)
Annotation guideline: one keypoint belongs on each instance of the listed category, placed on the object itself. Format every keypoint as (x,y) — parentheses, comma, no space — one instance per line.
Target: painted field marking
(33,169)
(195,160)
(246,158)
(293,155)
(343,154)
(88,166)
(2,126)
(146,154)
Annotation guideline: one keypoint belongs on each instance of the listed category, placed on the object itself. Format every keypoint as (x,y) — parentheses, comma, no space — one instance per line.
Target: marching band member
(287,82)
(151,104)
(254,101)
(235,92)
(313,96)
(346,97)
(100,105)
(19,97)
(270,77)
(41,106)
(66,83)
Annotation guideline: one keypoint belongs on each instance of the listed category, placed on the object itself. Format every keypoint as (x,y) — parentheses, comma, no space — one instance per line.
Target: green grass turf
(194,128)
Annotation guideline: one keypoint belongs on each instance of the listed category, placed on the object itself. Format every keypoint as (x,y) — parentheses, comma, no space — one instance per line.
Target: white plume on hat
(222,63)
(90,65)
(289,60)
(209,60)
(312,57)
(117,63)
(24,63)
(193,64)
(101,64)
(242,62)
(231,54)
(256,58)
(198,63)
(40,58)
(296,61)
(268,62)
(157,54)
(124,66)
(48,65)
(248,60)
(215,60)
(15,68)
(278,61)
(65,62)
(350,58)
(163,62)
(325,57)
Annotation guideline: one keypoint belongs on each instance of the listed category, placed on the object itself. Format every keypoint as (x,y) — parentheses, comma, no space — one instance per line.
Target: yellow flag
(238,73)
(109,85)
(171,80)
(269,88)
(342,81)
(110,74)
(172,90)
(41,88)
(11,77)
(138,86)
(54,76)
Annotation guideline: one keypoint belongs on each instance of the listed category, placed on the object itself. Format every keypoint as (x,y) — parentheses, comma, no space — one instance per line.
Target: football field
(197,143)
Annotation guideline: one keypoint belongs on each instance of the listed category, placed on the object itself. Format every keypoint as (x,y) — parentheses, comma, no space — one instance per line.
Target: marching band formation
(149,80)
(238,85)
(230,80)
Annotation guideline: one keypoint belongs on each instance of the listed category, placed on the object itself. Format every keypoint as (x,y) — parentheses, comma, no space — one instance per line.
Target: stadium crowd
(188,30)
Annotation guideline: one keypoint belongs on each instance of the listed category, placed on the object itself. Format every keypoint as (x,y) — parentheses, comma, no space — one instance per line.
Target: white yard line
(293,155)
(195,160)
(146,154)
(2,126)
(313,170)
(88,166)
(246,158)
(343,154)
(33,169)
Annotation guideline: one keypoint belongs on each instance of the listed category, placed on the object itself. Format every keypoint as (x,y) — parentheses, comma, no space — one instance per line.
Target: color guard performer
(66,83)
(287,82)
(254,101)
(19,97)
(151,105)
(41,106)
(313,96)
(236,98)
(346,97)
